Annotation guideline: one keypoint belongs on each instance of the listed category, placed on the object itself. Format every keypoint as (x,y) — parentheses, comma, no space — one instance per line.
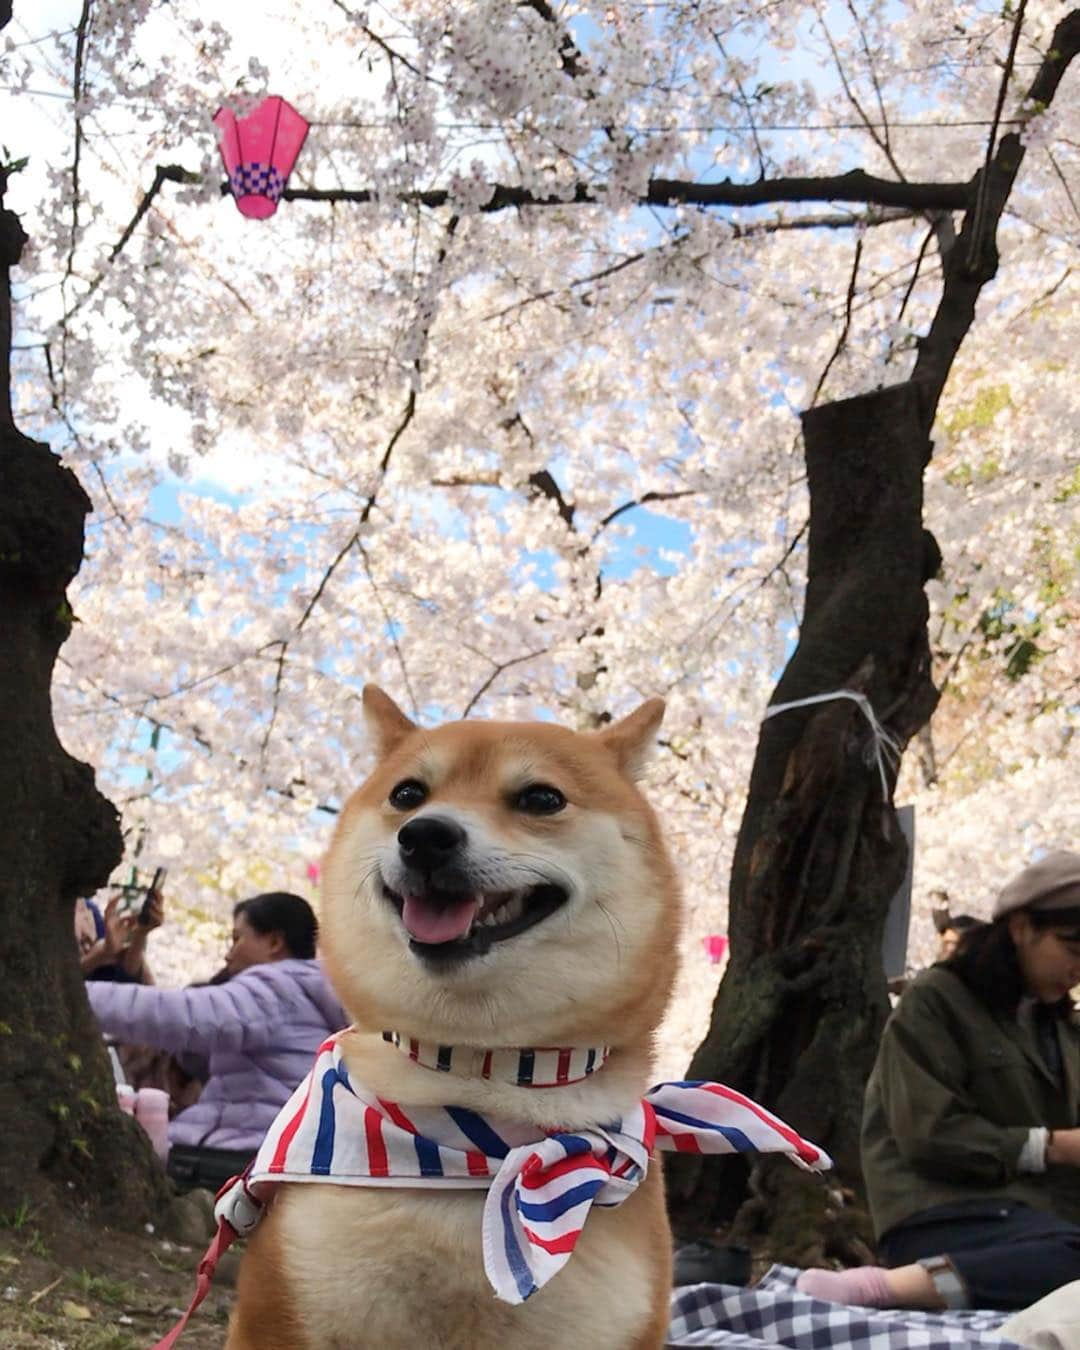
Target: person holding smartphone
(112,945)
(112,949)
(257,1032)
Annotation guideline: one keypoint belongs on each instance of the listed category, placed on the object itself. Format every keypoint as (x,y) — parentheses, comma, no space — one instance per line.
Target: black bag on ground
(711,1263)
(206,1168)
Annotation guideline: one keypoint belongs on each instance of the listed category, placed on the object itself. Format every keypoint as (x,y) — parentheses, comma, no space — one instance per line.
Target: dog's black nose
(430,841)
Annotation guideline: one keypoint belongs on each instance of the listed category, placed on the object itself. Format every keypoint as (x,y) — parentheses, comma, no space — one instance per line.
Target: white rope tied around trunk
(884,746)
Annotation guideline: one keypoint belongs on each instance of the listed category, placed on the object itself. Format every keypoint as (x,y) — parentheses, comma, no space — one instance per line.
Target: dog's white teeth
(507,912)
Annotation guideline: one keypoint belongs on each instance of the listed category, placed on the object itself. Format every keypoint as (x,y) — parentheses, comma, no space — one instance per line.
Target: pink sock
(865,1286)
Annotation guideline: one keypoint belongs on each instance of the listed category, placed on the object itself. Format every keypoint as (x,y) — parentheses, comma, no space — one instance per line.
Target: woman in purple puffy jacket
(258,1032)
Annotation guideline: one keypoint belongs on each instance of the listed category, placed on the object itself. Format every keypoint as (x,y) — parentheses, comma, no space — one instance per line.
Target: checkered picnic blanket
(775,1314)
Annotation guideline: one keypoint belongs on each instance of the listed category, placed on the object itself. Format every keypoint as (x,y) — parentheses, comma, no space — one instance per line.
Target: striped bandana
(540,1189)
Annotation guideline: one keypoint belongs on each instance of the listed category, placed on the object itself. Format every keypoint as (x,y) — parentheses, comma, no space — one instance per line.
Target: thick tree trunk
(59,838)
(819,855)
(798,1015)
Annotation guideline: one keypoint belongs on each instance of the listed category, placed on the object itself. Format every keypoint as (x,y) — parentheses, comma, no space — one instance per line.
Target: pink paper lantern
(715,947)
(259,151)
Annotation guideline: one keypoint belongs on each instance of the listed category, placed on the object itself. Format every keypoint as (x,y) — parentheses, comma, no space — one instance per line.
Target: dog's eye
(408,795)
(540,800)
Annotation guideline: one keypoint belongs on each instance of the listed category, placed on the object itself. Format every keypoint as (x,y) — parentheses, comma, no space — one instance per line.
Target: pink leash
(222,1240)
(238,1210)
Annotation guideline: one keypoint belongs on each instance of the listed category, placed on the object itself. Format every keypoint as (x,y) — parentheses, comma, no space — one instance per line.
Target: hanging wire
(703,127)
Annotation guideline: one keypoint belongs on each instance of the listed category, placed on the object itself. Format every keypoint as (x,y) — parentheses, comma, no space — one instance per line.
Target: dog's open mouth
(451,927)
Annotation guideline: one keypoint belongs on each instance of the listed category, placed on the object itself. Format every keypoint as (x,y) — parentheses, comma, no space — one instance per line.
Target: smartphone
(155,885)
(131,900)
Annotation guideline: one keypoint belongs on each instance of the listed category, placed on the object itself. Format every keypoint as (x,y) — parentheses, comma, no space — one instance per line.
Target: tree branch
(499,668)
(12,241)
(392,628)
(576,66)
(841,341)
(973,261)
(164,173)
(643,500)
(979,226)
(81,34)
(461,480)
(930,233)
(882,140)
(571,60)
(832,221)
(354,541)
(1064,182)
(76,94)
(1046,295)
(382,44)
(542,484)
(886,143)
(854,186)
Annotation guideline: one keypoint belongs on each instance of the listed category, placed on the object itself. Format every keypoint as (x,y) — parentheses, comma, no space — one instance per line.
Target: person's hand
(154,915)
(119,929)
(1064,1148)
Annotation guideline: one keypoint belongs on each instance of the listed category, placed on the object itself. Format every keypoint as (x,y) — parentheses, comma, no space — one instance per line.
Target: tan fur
(341,1268)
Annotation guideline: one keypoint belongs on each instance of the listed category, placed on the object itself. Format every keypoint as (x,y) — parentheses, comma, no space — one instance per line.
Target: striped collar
(537,1067)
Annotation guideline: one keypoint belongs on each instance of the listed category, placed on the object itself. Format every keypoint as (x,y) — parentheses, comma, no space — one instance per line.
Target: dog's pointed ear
(386,723)
(632,739)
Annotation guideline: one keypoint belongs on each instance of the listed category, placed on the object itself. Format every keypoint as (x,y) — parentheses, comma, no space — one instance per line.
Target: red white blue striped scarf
(540,1188)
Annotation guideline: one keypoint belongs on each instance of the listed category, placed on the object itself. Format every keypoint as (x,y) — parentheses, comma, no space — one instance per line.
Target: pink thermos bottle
(152,1113)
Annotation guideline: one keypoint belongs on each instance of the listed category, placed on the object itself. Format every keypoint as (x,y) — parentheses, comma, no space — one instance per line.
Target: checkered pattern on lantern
(257,180)
(775,1315)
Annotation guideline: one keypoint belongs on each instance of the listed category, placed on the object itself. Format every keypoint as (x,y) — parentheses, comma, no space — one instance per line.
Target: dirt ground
(67,1285)
(71,1287)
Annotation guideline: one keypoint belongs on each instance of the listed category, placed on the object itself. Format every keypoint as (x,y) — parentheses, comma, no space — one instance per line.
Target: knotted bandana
(541,1185)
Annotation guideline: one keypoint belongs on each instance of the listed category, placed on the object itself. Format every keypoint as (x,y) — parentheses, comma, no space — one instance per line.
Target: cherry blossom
(540,460)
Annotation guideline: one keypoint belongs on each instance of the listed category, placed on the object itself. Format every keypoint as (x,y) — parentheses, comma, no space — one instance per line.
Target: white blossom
(315,444)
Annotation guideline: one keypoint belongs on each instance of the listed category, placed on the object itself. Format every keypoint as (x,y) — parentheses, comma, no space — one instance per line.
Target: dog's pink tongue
(425,923)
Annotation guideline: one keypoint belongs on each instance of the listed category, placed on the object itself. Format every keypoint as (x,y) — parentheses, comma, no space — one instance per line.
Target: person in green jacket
(971,1124)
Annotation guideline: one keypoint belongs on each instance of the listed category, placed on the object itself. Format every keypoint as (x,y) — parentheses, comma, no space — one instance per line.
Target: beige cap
(1051,883)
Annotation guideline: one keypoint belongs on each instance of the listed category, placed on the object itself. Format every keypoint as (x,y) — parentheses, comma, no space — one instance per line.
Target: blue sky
(649,532)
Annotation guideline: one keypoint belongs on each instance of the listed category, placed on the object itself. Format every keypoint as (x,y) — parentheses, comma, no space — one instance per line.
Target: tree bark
(819,852)
(64,1137)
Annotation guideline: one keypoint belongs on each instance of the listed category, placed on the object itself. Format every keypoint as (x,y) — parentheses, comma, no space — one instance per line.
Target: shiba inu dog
(501,920)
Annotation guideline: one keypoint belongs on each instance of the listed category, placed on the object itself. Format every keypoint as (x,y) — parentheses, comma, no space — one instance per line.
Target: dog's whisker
(614,930)
(542,867)
(365,878)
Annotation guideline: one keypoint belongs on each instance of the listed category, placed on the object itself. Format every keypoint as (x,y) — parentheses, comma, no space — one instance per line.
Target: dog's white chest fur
(401,1270)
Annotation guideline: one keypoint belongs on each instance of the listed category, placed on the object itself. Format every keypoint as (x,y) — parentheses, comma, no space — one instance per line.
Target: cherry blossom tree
(59,838)
(501,409)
